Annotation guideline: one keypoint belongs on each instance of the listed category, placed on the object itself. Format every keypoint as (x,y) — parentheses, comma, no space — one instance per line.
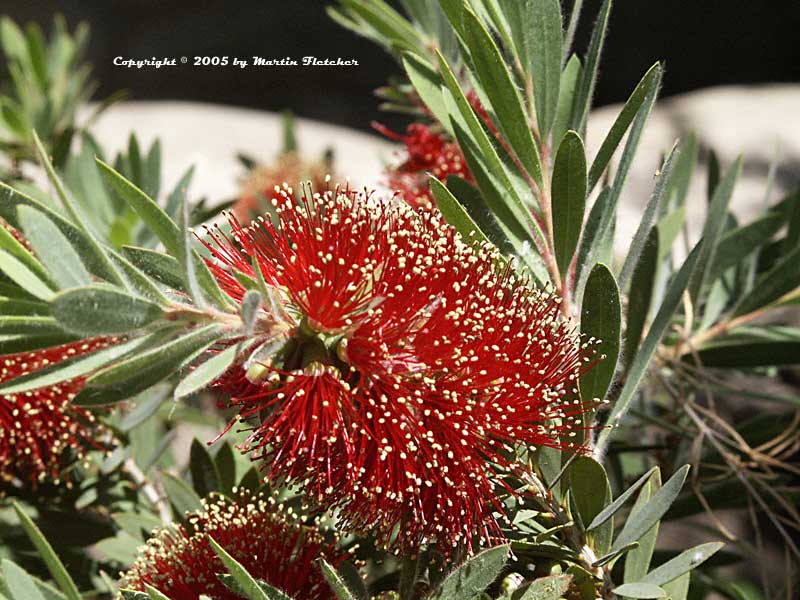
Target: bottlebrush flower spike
(425,152)
(266,539)
(413,365)
(40,430)
(259,185)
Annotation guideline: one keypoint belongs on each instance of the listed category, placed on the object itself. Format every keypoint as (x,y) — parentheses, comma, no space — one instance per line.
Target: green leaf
(591,64)
(71,368)
(272,593)
(20,274)
(248,310)
(154,593)
(566,96)
(639,366)
(158,362)
(133,595)
(713,229)
(547,588)
(48,555)
(640,295)
(335,581)
(11,245)
(90,244)
(473,576)
(207,372)
(91,254)
(13,41)
(99,310)
(640,522)
(387,21)
(182,497)
(736,244)
(591,492)
(678,589)
(248,585)
(225,460)
(35,326)
(205,476)
(20,585)
(640,590)
(683,563)
(427,83)
(161,267)
(637,562)
(568,197)
(165,229)
(475,143)
(545,57)
(648,216)
(454,213)
(151,213)
(496,81)
(621,124)
(53,248)
(600,319)
(611,509)
(771,286)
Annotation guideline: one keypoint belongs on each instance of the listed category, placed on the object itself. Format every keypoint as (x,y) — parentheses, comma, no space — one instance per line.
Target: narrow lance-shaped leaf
(98,310)
(46,552)
(566,96)
(454,213)
(771,286)
(498,85)
(95,246)
(427,82)
(640,590)
(161,360)
(600,319)
(621,124)
(474,576)
(207,372)
(612,508)
(646,222)
(546,52)
(648,348)
(165,229)
(335,581)
(72,368)
(205,476)
(713,229)
(247,583)
(568,198)
(637,562)
(583,97)
(640,295)
(591,492)
(18,582)
(553,587)
(640,522)
(20,274)
(683,563)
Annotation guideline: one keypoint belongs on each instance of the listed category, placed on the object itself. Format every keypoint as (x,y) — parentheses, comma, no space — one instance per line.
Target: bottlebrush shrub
(362,343)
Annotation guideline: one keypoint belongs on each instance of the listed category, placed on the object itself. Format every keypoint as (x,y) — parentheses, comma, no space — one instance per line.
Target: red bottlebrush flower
(259,186)
(40,429)
(269,542)
(412,365)
(426,152)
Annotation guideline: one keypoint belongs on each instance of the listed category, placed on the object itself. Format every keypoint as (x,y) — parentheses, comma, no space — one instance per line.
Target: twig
(148,489)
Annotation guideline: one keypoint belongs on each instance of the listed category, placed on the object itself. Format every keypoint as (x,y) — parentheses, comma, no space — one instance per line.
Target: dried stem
(148,489)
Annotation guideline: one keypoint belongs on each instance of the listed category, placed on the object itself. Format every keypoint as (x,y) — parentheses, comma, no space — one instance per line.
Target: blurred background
(718,42)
